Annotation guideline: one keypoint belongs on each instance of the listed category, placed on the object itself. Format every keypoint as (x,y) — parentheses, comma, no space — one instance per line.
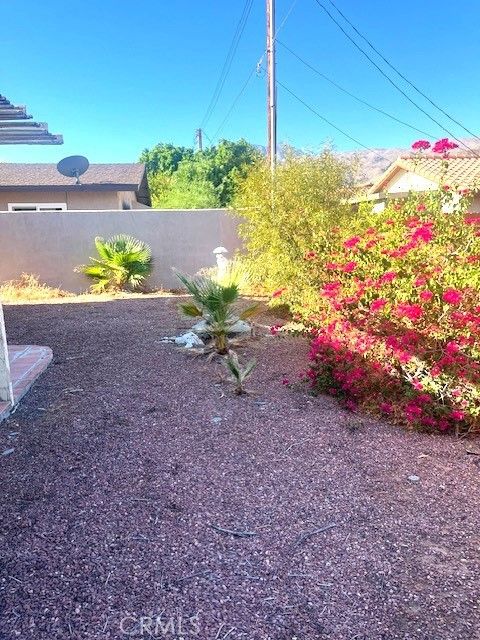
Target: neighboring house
(425,173)
(40,187)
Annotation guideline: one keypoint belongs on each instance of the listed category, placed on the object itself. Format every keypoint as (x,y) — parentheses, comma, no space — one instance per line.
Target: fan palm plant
(123,263)
(238,373)
(214,303)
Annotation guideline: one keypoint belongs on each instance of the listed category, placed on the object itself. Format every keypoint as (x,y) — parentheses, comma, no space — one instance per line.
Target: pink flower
(377,304)
(411,311)
(351,242)
(349,267)
(331,289)
(275,329)
(444,145)
(452,296)
(420,281)
(386,407)
(278,293)
(331,266)
(457,415)
(388,276)
(421,207)
(426,295)
(416,384)
(423,233)
(421,145)
(452,348)
(351,405)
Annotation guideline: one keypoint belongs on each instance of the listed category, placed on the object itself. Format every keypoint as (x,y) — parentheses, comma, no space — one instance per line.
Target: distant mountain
(375,161)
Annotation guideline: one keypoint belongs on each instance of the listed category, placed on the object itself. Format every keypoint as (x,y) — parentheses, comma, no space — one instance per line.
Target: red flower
(421,207)
(426,295)
(420,281)
(349,267)
(278,293)
(378,304)
(446,187)
(411,311)
(351,242)
(452,296)
(421,145)
(310,255)
(444,145)
(388,276)
(423,233)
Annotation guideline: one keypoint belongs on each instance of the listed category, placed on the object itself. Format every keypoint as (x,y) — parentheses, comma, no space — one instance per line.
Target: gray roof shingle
(19,174)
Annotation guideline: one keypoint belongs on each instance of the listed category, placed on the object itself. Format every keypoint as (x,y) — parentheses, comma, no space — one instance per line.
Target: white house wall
(406,181)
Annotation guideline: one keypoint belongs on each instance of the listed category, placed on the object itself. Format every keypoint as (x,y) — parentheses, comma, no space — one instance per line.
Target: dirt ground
(132,462)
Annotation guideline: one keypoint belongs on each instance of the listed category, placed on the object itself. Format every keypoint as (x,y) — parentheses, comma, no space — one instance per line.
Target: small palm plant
(214,303)
(124,262)
(238,373)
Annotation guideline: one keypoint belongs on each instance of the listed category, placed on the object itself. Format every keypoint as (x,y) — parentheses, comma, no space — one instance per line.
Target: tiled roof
(463,171)
(14,174)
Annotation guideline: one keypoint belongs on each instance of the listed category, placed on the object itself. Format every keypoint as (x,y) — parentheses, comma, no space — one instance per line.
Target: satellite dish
(73,167)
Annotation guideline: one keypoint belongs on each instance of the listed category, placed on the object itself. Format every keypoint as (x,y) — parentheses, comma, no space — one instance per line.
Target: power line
(330,123)
(233,105)
(255,69)
(392,82)
(352,95)
(399,73)
(228,61)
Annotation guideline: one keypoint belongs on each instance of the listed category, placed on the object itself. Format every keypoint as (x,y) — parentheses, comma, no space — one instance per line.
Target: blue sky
(115,76)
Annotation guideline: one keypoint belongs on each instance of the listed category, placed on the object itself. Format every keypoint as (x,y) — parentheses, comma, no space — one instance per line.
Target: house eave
(70,187)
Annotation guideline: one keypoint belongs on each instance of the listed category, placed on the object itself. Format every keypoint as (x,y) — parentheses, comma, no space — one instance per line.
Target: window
(37,206)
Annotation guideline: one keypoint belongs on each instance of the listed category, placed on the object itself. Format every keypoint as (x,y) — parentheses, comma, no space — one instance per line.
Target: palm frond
(249,312)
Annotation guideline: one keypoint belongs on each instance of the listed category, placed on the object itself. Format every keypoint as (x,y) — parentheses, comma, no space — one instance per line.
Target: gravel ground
(127,452)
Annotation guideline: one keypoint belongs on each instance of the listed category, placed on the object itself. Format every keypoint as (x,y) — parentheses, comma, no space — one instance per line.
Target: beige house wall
(405,181)
(52,244)
(96,200)
(408,181)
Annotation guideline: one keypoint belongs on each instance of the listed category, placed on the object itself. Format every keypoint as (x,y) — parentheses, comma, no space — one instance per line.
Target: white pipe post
(6,389)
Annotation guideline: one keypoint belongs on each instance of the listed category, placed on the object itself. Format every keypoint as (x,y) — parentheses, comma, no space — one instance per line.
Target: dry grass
(29,288)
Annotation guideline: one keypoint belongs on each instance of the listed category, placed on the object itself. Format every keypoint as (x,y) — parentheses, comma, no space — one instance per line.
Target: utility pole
(199,139)
(271,86)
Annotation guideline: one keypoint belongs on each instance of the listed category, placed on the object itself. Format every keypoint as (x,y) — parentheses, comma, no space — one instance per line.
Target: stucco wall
(74,199)
(52,244)
(409,181)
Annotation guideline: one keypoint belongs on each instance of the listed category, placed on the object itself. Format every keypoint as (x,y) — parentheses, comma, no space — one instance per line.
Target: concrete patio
(27,362)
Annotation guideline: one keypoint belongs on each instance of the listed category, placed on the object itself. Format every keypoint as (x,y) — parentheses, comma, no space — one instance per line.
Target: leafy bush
(124,263)
(216,305)
(286,217)
(399,315)
(392,300)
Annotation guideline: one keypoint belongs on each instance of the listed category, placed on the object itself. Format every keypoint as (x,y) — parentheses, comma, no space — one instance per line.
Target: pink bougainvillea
(396,330)
(444,145)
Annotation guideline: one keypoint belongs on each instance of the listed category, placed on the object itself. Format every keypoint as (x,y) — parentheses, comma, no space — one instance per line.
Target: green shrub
(123,263)
(285,217)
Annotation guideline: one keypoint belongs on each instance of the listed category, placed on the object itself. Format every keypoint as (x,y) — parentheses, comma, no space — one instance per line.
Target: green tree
(164,158)
(180,177)
(187,188)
